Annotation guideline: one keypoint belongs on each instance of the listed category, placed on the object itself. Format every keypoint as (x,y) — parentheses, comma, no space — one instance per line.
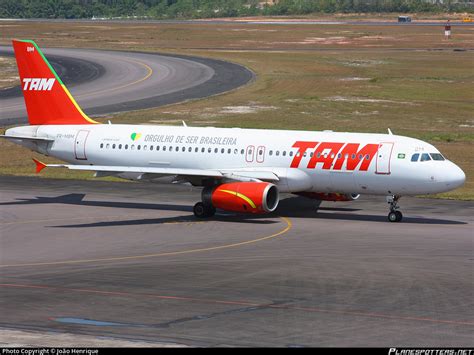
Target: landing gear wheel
(203,211)
(395,216)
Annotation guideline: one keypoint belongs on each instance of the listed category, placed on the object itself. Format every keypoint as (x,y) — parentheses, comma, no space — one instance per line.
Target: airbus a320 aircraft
(240,170)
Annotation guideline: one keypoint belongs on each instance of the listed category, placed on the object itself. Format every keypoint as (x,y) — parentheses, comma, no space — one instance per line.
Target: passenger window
(229,151)
(183,149)
(157,148)
(284,153)
(209,150)
(151,147)
(415,157)
(203,149)
(164,148)
(190,149)
(425,157)
(270,152)
(216,150)
(138,147)
(113,146)
(102,145)
(126,146)
(177,149)
(242,151)
(145,147)
(107,146)
(120,146)
(196,150)
(132,147)
(277,153)
(291,154)
(236,151)
(367,157)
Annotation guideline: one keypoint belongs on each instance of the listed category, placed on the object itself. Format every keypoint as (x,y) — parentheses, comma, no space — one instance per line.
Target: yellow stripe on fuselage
(242,196)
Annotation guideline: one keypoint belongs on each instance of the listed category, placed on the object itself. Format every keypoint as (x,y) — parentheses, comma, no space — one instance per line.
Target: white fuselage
(304,161)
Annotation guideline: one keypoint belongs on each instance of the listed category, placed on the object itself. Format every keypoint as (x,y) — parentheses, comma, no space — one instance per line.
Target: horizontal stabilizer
(39,165)
(39,139)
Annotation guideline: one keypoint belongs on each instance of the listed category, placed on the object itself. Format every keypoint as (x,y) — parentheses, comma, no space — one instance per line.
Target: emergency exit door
(80,145)
(384,155)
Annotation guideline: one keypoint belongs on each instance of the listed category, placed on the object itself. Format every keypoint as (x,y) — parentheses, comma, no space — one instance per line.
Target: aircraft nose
(455,176)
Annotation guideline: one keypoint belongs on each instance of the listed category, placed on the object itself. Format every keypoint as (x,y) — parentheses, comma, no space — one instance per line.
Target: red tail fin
(48,101)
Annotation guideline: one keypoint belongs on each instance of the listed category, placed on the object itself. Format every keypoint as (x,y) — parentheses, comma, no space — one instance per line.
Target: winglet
(39,165)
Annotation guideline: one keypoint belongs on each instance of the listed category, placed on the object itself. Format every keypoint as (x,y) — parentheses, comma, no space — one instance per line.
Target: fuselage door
(260,154)
(249,154)
(384,154)
(80,145)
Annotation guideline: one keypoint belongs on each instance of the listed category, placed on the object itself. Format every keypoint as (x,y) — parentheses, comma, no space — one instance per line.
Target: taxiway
(129,261)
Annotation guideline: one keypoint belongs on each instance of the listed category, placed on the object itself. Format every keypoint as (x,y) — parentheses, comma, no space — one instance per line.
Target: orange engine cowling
(331,196)
(247,197)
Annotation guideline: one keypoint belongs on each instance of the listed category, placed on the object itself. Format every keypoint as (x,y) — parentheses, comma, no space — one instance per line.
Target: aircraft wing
(229,174)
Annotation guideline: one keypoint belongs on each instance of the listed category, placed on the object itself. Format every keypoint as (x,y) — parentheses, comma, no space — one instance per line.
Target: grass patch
(8,73)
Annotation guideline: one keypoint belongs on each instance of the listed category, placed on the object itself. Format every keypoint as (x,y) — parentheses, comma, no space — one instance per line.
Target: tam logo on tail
(38,84)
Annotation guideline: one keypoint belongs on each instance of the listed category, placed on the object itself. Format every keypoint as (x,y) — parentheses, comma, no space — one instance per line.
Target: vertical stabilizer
(48,101)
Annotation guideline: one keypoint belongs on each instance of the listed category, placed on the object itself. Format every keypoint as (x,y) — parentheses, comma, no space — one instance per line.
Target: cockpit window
(437,156)
(415,157)
(425,157)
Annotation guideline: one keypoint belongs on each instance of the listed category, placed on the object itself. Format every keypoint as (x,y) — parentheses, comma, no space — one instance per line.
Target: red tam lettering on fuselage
(326,153)
(354,156)
(302,147)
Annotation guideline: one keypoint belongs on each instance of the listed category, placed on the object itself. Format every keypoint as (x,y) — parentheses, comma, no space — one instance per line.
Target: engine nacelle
(331,196)
(247,197)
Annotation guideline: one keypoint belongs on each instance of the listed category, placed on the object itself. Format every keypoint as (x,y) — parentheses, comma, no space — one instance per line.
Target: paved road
(129,260)
(114,81)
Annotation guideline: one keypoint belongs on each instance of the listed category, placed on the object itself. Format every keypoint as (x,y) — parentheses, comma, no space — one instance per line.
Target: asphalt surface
(104,82)
(129,261)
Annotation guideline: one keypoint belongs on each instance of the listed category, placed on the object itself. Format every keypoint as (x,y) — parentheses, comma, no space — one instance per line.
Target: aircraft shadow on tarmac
(296,207)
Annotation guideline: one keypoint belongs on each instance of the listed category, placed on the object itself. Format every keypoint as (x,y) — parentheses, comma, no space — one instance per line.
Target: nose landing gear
(394,215)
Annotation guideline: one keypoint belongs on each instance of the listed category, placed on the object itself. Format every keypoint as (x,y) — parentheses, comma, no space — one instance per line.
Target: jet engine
(247,197)
(331,196)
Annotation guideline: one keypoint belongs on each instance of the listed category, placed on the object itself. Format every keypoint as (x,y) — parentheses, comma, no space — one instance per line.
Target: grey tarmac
(129,261)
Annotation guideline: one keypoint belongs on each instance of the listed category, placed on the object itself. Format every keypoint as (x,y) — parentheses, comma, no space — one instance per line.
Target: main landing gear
(394,215)
(202,210)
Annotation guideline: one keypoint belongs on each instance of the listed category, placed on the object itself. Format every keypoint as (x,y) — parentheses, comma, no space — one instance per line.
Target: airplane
(240,170)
